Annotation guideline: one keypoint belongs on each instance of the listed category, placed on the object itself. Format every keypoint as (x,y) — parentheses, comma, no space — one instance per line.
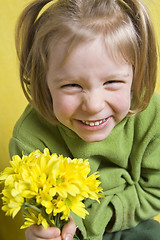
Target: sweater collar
(109,148)
(70,135)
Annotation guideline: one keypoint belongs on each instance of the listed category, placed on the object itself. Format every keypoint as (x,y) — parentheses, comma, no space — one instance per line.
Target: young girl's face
(91,92)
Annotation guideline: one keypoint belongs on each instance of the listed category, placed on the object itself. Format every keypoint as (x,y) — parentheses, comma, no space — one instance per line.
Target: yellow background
(12,101)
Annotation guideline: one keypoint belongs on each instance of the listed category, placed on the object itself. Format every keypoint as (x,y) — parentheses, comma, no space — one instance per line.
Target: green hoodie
(128,161)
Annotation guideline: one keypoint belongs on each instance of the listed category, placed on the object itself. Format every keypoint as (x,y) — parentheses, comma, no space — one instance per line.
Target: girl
(88,69)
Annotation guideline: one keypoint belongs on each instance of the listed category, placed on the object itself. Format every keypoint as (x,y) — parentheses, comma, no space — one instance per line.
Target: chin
(91,138)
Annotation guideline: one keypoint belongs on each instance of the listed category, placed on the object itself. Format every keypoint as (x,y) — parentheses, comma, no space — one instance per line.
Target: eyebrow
(64,77)
(118,75)
(62,80)
(59,79)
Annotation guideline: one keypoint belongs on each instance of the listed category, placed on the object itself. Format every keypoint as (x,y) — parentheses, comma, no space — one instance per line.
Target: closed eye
(71,88)
(71,85)
(112,82)
(114,85)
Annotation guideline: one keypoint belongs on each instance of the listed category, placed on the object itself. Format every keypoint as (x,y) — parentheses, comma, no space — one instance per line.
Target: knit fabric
(128,161)
(147,230)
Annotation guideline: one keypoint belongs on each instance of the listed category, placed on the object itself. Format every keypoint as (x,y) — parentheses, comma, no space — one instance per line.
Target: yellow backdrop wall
(12,101)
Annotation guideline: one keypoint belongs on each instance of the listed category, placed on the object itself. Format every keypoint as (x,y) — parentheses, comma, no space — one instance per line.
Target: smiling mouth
(94,123)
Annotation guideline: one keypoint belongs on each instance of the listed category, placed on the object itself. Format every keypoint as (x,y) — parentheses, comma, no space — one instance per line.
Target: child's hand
(35,232)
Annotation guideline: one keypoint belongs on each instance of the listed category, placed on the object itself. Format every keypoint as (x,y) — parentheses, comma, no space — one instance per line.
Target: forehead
(116,29)
(62,51)
(89,59)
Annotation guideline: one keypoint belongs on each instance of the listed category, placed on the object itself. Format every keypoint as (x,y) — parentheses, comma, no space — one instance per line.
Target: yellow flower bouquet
(47,188)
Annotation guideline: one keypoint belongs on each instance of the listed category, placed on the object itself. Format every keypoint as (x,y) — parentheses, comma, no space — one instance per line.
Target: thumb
(69,229)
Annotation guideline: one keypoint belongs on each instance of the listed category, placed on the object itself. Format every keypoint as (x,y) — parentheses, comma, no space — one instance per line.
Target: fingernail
(57,232)
(68,237)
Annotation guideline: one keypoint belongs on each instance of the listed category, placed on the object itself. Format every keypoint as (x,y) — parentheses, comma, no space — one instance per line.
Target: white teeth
(92,124)
(97,123)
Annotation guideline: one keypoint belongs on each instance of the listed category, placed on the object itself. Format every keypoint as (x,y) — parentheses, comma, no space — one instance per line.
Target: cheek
(122,102)
(63,105)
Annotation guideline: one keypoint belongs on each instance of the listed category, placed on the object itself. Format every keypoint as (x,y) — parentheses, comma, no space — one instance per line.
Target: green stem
(47,218)
(58,222)
(40,211)
(33,207)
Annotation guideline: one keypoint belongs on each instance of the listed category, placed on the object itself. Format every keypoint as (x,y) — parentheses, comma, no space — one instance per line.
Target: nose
(93,101)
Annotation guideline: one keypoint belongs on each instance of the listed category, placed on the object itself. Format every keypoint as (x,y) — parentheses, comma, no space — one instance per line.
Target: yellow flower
(42,220)
(12,202)
(78,207)
(32,217)
(48,187)
(6,173)
(71,203)
(93,190)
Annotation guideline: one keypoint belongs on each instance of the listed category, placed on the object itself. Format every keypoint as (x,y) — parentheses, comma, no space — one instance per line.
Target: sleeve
(28,134)
(140,199)
(137,195)
(33,132)
(132,202)
(19,146)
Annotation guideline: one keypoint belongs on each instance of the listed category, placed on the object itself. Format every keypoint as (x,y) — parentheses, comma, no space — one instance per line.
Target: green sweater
(128,161)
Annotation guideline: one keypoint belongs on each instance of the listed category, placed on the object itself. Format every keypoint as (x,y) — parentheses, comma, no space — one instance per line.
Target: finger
(38,232)
(29,236)
(69,229)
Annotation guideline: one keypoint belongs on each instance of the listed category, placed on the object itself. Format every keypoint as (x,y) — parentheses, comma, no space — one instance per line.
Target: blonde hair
(125,25)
